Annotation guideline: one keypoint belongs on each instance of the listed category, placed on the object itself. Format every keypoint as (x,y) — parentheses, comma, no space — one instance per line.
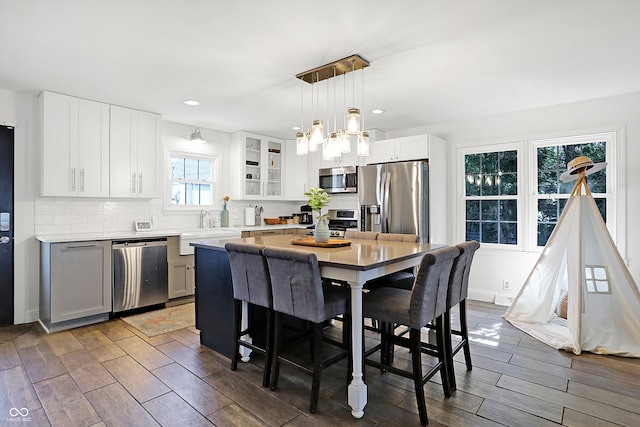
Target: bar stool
(426,302)
(298,292)
(457,295)
(363,235)
(251,284)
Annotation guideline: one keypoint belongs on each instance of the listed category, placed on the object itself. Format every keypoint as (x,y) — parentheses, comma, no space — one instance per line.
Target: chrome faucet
(203,213)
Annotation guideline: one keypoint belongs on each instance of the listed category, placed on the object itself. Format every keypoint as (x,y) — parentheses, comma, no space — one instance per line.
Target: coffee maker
(305,216)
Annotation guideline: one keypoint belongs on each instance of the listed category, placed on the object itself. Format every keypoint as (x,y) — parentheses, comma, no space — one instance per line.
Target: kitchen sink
(202,234)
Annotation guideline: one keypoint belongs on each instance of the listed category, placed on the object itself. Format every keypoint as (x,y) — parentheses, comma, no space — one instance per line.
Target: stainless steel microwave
(339,180)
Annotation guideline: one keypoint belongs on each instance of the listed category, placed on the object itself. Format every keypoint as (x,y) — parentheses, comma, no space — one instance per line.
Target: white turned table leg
(357,389)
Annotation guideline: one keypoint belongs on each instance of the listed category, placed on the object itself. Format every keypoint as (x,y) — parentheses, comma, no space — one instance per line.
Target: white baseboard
(480,295)
(32,315)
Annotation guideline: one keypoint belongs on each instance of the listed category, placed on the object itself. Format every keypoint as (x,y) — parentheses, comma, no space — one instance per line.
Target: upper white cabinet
(346,159)
(400,149)
(75,152)
(296,180)
(259,162)
(135,138)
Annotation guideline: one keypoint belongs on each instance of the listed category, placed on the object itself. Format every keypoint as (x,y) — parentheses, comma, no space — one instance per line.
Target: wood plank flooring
(110,374)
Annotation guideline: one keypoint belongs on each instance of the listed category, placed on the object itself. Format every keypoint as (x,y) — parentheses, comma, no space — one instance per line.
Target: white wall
(620,114)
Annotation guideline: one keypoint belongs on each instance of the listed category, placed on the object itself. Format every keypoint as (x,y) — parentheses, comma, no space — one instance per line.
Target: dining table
(355,262)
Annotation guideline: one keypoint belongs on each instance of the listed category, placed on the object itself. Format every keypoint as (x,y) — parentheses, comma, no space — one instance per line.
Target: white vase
(321,232)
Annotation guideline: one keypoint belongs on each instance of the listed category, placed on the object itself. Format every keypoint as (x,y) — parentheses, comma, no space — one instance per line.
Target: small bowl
(272,221)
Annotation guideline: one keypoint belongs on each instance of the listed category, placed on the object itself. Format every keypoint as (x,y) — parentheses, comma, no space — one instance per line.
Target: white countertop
(121,235)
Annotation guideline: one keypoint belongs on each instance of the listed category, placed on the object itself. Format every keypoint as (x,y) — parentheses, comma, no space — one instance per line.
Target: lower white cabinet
(181,270)
(75,283)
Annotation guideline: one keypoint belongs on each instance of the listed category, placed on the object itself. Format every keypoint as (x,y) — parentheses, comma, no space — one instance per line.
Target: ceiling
(431,61)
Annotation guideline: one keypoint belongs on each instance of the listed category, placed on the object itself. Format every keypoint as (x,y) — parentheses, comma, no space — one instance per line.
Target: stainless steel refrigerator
(394,198)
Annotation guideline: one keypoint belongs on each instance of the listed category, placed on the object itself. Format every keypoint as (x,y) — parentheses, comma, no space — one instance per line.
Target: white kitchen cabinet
(345,159)
(400,149)
(135,141)
(75,146)
(75,283)
(258,162)
(181,270)
(295,174)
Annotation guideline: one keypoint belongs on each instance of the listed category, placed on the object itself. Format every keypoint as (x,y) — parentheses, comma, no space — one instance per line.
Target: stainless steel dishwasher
(140,273)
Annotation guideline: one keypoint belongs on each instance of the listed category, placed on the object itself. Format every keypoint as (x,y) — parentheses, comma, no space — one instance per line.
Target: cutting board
(332,243)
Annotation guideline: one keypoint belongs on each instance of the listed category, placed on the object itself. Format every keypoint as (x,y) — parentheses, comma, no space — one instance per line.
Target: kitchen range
(340,220)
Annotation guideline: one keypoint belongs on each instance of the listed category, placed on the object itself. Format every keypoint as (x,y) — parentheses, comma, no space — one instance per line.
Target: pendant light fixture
(338,141)
(363,136)
(196,137)
(302,142)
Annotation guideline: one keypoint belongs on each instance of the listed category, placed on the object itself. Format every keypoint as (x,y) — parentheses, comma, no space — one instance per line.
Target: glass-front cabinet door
(261,163)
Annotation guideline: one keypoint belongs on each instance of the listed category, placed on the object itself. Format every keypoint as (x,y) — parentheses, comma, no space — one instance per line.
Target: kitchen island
(355,264)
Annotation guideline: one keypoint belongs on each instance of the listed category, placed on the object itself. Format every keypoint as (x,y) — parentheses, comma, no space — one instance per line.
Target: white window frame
(610,195)
(215,180)
(520,204)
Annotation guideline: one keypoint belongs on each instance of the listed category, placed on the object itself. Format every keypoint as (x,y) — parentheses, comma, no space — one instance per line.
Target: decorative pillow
(561,308)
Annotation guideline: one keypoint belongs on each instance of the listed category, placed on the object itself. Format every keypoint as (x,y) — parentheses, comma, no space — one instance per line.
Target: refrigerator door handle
(386,211)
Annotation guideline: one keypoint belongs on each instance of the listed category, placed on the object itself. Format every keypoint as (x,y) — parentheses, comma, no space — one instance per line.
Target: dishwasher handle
(138,243)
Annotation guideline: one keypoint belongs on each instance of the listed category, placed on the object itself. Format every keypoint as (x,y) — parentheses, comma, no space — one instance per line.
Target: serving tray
(332,243)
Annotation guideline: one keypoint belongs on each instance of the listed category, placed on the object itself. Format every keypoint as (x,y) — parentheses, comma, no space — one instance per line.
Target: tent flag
(580,295)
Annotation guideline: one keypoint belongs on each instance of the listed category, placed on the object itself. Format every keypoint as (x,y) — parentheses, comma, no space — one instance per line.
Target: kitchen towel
(249,216)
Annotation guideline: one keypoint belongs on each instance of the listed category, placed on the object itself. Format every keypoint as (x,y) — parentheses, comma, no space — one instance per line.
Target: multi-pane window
(491,197)
(192,181)
(553,194)
(597,279)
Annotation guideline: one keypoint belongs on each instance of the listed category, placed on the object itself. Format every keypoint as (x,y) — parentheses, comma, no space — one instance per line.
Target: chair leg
(237,325)
(442,355)
(416,358)
(277,338)
(317,367)
(465,333)
(448,348)
(268,349)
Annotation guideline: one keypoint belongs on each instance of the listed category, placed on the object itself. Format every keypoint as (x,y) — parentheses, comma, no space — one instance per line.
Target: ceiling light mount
(327,71)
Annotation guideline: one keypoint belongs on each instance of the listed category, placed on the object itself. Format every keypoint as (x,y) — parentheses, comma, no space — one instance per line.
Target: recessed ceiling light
(296,128)
(377,111)
(192,102)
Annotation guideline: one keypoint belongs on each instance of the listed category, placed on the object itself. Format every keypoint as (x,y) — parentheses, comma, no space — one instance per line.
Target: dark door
(6,225)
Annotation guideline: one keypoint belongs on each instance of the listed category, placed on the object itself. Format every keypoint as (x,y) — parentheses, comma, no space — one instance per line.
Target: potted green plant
(318,198)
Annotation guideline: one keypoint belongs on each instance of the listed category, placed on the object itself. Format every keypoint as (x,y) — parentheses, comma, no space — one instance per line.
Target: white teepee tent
(581,265)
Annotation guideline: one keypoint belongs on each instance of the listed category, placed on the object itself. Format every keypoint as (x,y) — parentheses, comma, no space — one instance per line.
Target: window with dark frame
(491,197)
(553,194)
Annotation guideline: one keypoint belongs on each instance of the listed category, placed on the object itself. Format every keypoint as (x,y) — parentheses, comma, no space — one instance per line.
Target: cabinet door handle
(82,179)
(73,179)
(140,183)
(81,246)
(133,183)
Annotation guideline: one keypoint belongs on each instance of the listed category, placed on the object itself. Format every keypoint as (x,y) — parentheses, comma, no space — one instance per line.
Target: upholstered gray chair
(425,303)
(298,292)
(457,295)
(252,284)
(363,235)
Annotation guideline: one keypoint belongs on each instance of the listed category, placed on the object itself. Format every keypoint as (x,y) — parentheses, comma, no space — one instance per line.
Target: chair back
(398,237)
(429,294)
(249,273)
(459,280)
(296,283)
(363,235)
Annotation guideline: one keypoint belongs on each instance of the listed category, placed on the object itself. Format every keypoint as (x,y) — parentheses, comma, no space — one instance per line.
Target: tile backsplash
(76,215)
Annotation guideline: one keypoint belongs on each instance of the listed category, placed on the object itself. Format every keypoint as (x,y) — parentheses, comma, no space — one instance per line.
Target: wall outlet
(506,285)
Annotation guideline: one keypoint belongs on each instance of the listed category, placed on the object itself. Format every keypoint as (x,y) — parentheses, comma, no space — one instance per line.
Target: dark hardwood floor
(113,375)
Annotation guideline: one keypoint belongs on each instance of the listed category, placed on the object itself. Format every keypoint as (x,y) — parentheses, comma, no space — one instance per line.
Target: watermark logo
(18,415)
